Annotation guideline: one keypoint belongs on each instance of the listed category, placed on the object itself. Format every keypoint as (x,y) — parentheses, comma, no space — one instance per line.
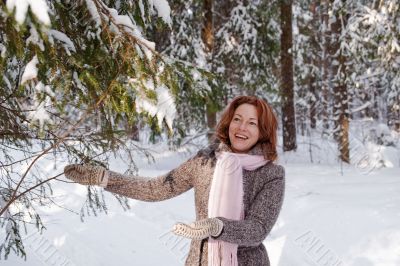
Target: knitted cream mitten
(199,229)
(87,174)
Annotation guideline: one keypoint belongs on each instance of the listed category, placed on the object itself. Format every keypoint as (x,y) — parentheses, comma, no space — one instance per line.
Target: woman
(238,189)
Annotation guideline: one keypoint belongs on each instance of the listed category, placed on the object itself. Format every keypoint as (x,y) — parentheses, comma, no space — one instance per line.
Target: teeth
(241,136)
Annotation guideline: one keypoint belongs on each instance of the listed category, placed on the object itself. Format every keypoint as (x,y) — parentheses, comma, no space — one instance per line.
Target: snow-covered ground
(332,215)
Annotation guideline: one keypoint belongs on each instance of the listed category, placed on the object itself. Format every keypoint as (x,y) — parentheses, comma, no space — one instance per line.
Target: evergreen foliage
(76,76)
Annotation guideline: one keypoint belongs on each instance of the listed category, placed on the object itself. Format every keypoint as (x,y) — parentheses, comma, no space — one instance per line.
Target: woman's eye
(236,119)
(253,124)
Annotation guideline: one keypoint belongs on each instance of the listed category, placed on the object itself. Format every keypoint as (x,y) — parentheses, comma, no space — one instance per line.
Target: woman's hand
(199,229)
(87,174)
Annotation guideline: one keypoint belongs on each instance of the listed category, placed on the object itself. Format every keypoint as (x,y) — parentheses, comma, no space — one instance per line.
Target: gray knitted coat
(263,198)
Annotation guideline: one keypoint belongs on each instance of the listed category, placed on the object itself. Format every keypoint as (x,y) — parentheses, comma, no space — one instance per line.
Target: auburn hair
(267,124)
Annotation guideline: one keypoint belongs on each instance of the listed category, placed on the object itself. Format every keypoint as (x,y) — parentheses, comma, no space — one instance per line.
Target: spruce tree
(76,76)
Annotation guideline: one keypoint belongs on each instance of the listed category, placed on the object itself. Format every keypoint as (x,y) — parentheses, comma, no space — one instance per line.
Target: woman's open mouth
(241,137)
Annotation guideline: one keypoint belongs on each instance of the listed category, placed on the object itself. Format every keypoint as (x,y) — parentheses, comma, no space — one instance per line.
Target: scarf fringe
(222,253)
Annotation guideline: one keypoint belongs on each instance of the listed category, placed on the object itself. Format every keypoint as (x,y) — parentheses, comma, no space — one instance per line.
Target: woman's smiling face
(243,129)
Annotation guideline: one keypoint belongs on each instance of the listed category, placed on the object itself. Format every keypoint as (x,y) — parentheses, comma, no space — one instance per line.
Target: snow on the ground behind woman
(333,214)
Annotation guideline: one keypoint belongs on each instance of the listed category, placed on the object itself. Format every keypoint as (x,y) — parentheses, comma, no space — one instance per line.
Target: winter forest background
(123,83)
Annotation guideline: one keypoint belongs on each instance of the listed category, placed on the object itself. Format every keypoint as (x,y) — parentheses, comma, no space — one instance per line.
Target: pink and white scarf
(226,200)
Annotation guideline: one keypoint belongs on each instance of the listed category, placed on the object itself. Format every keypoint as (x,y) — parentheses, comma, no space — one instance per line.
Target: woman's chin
(240,149)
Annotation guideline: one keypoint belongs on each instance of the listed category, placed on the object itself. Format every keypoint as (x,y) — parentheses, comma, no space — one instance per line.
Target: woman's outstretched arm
(159,188)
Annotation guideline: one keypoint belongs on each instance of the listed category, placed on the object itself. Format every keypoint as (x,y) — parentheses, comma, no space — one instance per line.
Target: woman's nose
(242,126)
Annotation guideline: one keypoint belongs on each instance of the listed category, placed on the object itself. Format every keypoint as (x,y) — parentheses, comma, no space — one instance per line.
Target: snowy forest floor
(333,214)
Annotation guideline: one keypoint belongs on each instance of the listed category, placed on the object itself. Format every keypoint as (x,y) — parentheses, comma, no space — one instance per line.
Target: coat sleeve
(261,216)
(159,188)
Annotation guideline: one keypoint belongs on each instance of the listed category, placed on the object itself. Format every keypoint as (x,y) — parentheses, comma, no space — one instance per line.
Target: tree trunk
(340,107)
(207,33)
(312,81)
(288,114)
(325,65)
(207,36)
